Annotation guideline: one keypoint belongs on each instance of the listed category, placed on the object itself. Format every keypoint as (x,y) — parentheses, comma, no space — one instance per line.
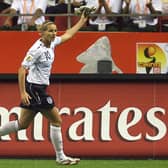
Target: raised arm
(72,31)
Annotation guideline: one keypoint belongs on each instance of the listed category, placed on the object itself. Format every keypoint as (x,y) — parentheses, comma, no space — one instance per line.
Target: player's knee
(60,121)
(57,123)
(23,125)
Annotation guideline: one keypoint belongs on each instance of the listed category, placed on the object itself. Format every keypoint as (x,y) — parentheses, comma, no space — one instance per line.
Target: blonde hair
(44,25)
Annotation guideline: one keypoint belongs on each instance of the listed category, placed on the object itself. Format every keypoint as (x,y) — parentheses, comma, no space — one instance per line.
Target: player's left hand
(86,11)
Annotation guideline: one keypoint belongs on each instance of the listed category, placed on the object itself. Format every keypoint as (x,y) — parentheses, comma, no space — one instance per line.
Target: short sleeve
(31,57)
(56,41)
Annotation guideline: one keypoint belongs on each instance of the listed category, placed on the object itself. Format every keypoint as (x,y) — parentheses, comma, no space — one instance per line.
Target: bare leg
(56,137)
(53,116)
(55,130)
(26,118)
(23,122)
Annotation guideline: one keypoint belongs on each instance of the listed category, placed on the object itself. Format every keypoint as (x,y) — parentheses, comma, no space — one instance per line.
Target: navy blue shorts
(40,100)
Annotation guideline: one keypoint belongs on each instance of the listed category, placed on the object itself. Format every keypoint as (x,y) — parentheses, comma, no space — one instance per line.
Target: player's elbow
(66,36)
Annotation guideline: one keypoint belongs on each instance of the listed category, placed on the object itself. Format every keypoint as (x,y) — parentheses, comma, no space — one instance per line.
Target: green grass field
(35,163)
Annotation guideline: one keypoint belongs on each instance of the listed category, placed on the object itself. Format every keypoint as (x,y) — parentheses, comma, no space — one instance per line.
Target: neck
(46,43)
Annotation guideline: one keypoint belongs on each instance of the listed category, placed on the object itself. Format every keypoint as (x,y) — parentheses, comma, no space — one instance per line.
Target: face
(49,34)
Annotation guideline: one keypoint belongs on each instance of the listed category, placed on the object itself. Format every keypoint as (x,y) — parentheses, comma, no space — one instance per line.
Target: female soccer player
(38,62)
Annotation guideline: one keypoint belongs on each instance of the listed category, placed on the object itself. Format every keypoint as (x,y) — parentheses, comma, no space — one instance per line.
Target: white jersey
(38,61)
(29,7)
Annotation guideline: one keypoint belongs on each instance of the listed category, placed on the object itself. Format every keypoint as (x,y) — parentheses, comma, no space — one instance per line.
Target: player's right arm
(25,97)
(73,30)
